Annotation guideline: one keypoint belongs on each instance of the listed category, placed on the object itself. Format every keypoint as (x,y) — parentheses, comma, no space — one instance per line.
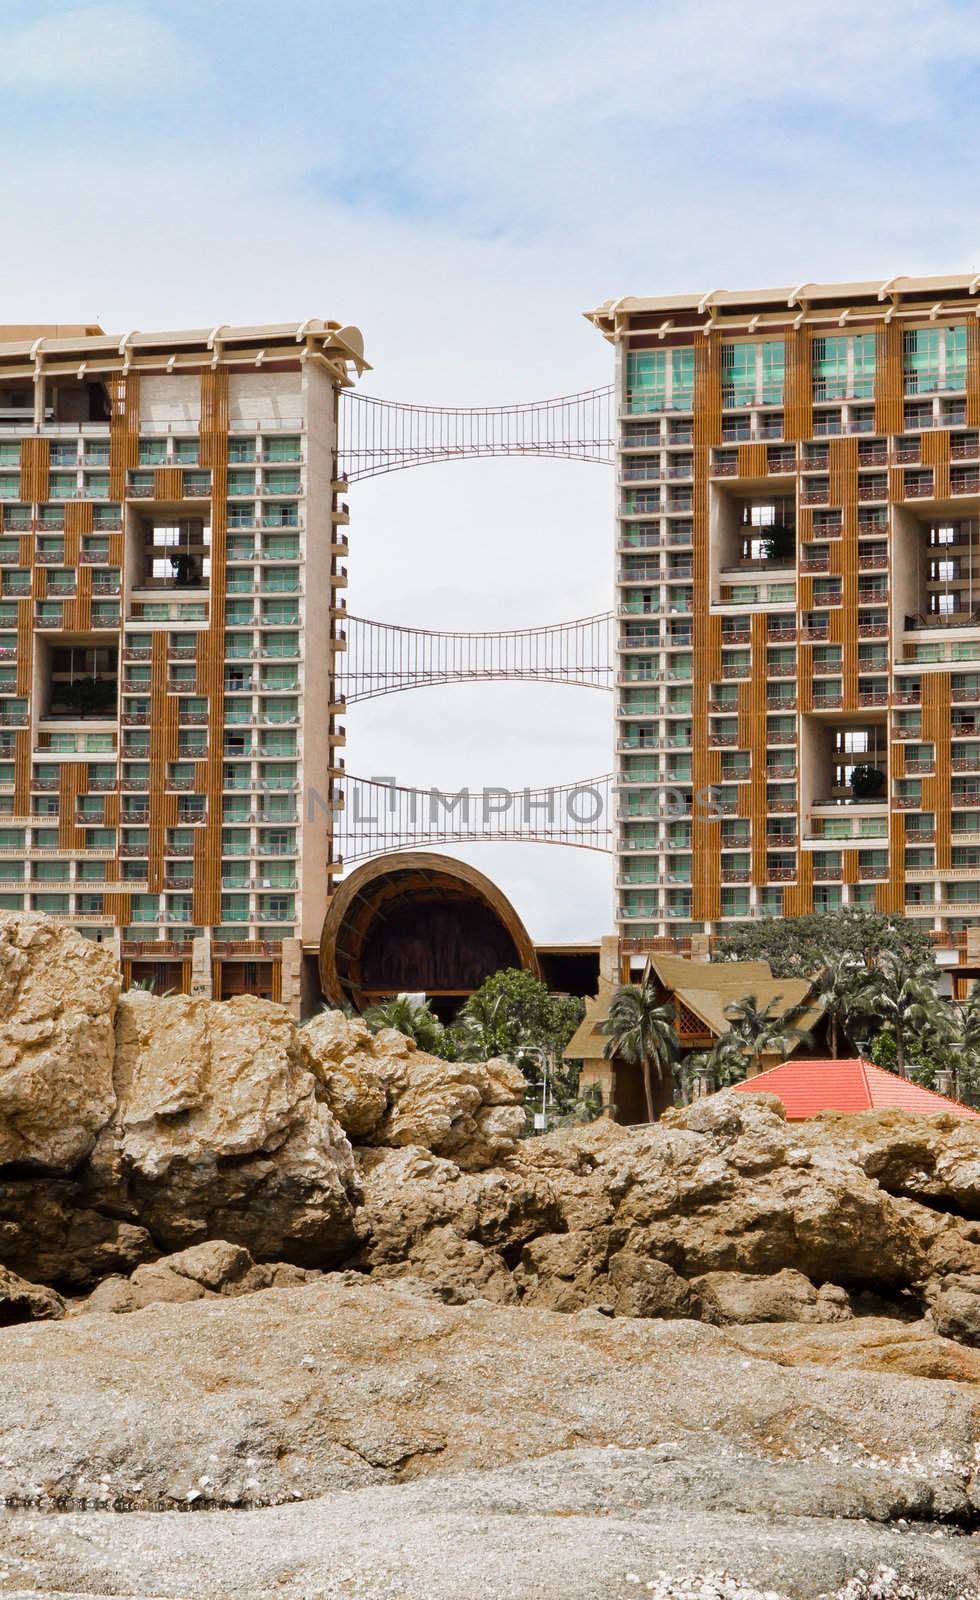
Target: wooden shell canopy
(418,923)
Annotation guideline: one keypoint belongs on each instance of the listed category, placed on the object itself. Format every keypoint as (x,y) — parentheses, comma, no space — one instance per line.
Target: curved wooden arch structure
(417,922)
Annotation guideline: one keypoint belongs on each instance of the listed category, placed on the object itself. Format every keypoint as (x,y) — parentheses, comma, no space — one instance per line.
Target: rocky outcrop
(58,996)
(384,1091)
(204,1271)
(186,1122)
(723,1212)
(21,1301)
(218,1132)
(135,1126)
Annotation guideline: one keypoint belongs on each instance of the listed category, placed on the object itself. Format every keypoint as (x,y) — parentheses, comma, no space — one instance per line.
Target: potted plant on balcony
(780,544)
(867,782)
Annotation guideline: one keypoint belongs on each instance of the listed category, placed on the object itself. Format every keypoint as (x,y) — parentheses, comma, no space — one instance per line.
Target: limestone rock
(53,1230)
(357,1071)
(200,1272)
(21,1301)
(411,1192)
(58,996)
(785,1296)
(469,1111)
(218,1132)
(956,1308)
(384,1091)
(349,1382)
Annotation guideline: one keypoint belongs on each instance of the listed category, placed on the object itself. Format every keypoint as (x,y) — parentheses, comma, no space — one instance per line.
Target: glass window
(753,374)
(282,447)
(738,363)
(843,366)
(934,358)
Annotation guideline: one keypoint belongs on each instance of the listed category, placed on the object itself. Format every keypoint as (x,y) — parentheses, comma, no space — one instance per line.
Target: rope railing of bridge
(379,436)
(378,816)
(382,658)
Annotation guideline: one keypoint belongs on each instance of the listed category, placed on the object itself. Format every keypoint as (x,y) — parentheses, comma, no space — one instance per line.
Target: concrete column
(609,960)
(201,986)
(291,991)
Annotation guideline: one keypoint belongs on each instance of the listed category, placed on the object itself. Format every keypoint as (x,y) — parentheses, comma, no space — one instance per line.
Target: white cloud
(121,48)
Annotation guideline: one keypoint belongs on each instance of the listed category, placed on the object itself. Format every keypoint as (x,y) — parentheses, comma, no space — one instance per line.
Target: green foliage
(415,1019)
(641,1032)
(867,781)
(758,1030)
(899,992)
(800,947)
(512,1014)
(722,1065)
(946,1039)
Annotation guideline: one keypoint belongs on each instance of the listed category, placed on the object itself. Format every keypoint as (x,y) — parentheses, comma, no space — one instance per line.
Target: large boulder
(56,1230)
(218,1132)
(203,1271)
(384,1091)
(784,1296)
(58,995)
(21,1301)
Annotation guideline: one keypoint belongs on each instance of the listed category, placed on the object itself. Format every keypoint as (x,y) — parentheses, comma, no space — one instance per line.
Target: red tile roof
(806,1087)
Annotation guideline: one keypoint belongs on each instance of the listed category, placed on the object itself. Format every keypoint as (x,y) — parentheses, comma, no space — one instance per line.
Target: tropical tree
(798,947)
(759,1029)
(412,1017)
(641,1032)
(717,1067)
(901,995)
(513,1014)
(837,986)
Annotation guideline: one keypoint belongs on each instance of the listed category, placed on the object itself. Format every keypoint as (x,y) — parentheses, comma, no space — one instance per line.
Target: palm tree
(642,1032)
(898,993)
(838,986)
(413,1018)
(759,1029)
(721,1065)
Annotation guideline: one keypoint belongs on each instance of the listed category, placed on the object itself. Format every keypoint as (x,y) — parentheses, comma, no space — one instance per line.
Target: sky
(462,181)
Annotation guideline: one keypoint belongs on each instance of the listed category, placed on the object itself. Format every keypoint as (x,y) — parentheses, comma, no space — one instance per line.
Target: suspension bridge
(378,816)
(379,436)
(383,658)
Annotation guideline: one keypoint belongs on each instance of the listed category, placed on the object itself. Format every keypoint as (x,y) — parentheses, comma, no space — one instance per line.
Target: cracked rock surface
(375,1441)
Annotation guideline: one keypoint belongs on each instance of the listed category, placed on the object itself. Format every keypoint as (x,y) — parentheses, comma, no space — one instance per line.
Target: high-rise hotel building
(171,608)
(798,597)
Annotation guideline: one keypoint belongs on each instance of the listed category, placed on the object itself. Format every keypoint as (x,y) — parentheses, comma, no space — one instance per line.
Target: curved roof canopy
(414,922)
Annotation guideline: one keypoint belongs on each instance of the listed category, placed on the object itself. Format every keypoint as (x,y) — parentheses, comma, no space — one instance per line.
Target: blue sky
(462,181)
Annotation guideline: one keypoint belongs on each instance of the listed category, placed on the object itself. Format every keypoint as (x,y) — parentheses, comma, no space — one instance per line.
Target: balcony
(873,697)
(814,494)
(820,562)
(964,447)
(873,454)
(955,619)
(964,482)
